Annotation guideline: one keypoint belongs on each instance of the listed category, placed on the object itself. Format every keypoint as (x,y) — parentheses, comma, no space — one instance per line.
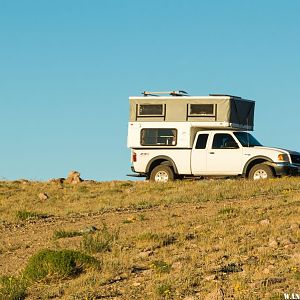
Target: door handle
(211,152)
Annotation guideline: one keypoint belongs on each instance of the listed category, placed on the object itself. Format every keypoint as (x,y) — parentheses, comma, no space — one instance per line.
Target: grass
(201,239)
(12,288)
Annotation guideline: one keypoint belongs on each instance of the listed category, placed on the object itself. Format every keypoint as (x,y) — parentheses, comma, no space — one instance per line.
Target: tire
(162,173)
(261,171)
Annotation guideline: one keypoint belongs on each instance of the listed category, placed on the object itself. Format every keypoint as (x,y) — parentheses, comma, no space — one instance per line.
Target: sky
(67,68)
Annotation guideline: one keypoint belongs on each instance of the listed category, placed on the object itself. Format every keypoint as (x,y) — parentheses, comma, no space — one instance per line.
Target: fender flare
(169,162)
(265,158)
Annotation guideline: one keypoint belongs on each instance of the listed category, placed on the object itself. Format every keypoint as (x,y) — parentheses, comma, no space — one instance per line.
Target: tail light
(133,157)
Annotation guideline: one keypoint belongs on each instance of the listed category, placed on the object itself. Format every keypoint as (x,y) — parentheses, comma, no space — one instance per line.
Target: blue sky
(68,67)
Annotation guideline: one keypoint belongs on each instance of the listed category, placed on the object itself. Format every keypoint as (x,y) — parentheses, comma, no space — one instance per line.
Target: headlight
(283,157)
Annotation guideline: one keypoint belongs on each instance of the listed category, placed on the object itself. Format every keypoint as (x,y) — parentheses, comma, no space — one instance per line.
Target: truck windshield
(246,139)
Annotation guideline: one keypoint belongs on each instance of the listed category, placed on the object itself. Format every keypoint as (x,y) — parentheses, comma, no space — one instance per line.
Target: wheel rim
(260,174)
(161,176)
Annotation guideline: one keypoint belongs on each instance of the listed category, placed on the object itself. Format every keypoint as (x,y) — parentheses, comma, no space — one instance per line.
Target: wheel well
(255,162)
(158,162)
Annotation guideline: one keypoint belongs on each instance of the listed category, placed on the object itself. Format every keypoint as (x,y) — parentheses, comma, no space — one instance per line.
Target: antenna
(171,93)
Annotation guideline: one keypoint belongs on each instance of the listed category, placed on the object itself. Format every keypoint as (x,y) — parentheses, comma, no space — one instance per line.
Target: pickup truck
(221,153)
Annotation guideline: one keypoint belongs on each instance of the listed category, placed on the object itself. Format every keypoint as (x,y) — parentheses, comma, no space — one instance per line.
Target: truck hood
(278,149)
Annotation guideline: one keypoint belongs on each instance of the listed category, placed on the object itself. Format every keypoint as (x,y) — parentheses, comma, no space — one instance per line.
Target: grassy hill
(208,239)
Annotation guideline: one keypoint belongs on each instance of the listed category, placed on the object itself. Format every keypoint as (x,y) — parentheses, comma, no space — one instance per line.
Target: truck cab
(239,153)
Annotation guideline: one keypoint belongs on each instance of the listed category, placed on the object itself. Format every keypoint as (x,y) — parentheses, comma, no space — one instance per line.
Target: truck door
(224,156)
(199,153)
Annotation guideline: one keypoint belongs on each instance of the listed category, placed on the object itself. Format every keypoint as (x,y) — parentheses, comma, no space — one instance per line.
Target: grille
(295,159)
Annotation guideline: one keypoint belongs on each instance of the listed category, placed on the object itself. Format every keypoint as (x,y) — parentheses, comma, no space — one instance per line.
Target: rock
(88,229)
(296,257)
(262,249)
(273,243)
(145,254)
(214,295)
(264,222)
(57,180)
(268,269)
(295,226)
(43,196)
(252,260)
(136,284)
(73,178)
(210,277)
(177,265)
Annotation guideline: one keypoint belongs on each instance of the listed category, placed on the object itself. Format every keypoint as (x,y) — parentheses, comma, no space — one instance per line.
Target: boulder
(73,178)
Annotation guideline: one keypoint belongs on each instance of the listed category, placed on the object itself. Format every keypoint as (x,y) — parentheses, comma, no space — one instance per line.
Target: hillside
(208,239)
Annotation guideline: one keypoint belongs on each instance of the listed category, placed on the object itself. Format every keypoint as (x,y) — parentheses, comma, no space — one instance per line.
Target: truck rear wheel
(162,173)
(261,171)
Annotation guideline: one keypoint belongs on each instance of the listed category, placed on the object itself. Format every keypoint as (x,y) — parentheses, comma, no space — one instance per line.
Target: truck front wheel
(261,171)
(162,173)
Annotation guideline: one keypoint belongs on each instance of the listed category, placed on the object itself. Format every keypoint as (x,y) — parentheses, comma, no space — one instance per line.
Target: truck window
(158,137)
(224,141)
(150,110)
(201,141)
(246,139)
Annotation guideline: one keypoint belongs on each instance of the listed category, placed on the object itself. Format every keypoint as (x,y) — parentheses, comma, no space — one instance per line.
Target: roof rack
(171,93)
(224,95)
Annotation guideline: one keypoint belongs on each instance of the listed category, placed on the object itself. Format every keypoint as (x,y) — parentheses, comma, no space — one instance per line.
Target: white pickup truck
(177,136)
(216,153)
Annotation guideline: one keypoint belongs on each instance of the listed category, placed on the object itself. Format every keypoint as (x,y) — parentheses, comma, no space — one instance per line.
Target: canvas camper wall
(232,112)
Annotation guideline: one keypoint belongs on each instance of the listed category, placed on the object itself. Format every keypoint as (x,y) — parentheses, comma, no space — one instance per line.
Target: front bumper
(286,169)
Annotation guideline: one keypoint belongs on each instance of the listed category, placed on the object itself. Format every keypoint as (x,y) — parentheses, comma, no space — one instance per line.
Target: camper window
(150,110)
(201,110)
(158,137)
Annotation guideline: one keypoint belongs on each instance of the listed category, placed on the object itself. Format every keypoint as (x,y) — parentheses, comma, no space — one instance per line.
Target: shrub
(12,288)
(24,215)
(102,242)
(161,266)
(162,240)
(164,290)
(59,234)
(52,264)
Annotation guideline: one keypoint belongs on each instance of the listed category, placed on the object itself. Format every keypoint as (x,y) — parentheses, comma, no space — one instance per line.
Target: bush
(102,242)
(161,266)
(12,288)
(52,264)
(65,234)
(165,291)
(24,215)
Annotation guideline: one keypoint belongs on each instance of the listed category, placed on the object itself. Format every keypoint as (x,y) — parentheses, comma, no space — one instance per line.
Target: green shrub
(101,242)
(161,266)
(12,288)
(60,234)
(164,290)
(162,240)
(24,215)
(52,264)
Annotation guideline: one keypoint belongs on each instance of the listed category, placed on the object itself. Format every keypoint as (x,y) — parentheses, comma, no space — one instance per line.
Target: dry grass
(210,239)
